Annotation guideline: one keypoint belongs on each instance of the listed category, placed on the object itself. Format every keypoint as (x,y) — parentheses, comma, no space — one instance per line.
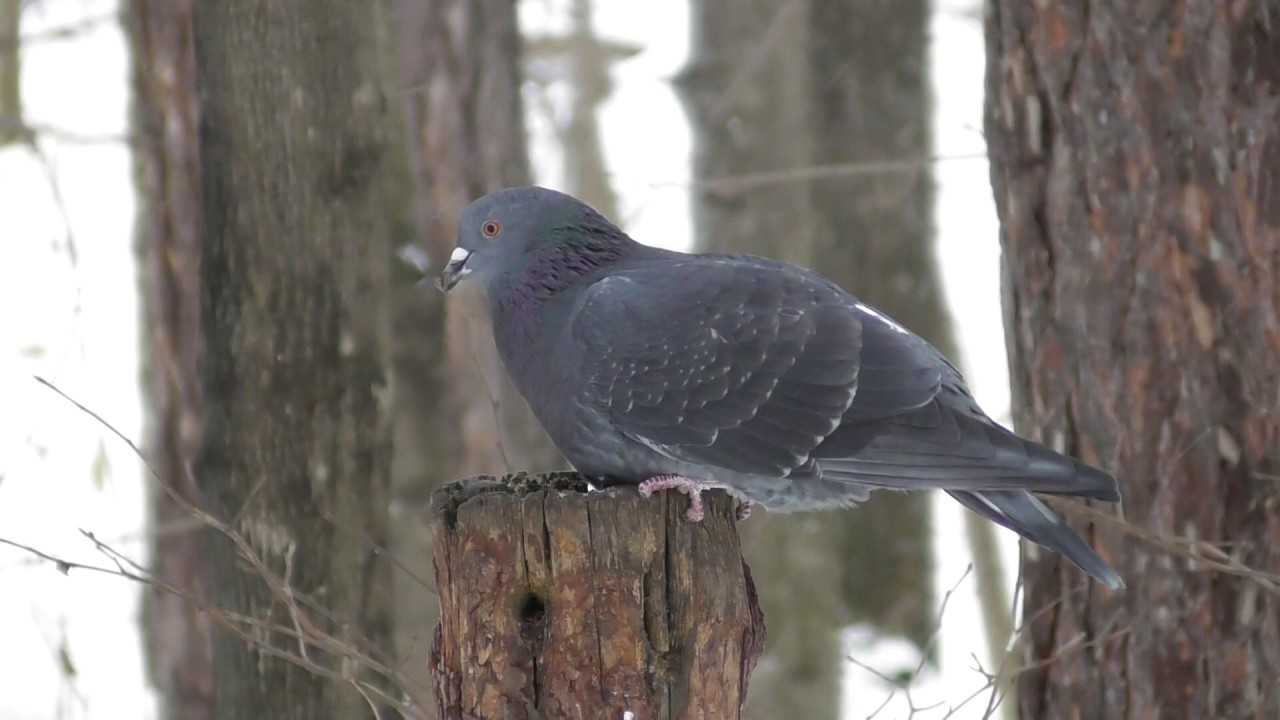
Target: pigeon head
(513,233)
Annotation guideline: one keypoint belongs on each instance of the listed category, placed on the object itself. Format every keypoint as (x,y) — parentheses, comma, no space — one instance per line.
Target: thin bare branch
(30,132)
(304,630)
(67,31)
(238,623)
(1200,551)
(495,404)
(746,71)
(913,709)
(728,184)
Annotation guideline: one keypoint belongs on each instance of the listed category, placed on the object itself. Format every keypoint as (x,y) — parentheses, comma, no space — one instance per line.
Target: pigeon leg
(744,509)
(688,486)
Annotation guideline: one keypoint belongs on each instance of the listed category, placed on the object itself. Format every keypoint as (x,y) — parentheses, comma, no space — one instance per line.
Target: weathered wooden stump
(556,602)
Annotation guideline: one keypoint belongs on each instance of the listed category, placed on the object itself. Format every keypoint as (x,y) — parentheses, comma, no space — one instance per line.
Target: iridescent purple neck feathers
(522,302)
(582,251)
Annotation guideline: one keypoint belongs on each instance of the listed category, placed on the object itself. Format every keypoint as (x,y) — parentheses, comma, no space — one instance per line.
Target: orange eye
(491,228)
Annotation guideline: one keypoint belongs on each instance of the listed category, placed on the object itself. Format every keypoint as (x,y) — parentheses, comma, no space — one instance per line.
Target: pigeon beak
(454,270)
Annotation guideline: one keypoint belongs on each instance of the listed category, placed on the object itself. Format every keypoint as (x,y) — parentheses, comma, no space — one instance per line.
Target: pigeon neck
(524,311)
(558,266)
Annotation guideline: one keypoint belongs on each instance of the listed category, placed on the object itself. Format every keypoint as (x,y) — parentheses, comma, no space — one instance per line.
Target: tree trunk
(777,87)
(303,190)
(10,71)
(1136,166)
(590,60)
(560,603)
(746,89)
(873,235)
(461,65)
(170,242)
(455,412)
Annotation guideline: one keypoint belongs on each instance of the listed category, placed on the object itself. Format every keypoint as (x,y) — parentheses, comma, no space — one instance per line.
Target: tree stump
(556,602)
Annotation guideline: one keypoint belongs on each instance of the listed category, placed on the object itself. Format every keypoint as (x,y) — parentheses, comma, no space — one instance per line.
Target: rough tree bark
(560,603)
(455,413)
(1136,167)
(169,238)
(303,189)
(784,86)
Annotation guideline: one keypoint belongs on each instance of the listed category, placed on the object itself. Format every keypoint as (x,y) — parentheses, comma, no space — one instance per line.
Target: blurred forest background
(214,219)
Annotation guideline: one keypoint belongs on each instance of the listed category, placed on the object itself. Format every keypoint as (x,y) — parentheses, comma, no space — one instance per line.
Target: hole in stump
(532,610)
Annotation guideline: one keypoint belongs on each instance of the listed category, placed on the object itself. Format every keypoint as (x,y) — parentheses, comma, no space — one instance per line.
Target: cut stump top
(557,601)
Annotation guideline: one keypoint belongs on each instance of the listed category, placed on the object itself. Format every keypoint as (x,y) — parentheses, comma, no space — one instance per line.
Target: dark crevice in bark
(670,657)
(595,613)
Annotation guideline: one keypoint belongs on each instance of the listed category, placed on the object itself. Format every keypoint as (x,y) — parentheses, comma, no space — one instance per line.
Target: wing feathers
(737,363)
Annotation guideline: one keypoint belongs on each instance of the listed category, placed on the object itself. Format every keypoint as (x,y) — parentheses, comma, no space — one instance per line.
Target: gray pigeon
(670,370)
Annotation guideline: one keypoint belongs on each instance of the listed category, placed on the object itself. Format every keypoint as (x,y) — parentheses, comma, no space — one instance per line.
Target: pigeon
(670,370)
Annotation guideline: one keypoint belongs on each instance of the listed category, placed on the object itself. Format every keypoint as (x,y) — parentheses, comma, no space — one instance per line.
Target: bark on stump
(562,603)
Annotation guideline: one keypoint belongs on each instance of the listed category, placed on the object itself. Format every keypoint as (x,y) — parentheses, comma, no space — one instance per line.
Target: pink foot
(688,486)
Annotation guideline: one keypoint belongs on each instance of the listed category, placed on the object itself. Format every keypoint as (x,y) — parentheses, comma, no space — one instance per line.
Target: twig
(63,566)
(991,680)
(233,621)
(494,403)
(304,630)
(887,698)
(924,656)
(125,438)
(1177,545)
(29,132)
(55,191)
(67,31)
(937,631)
(380,551)
(373,708)
(176,527)
(290,602)
(115,556)
(764,178)
(993,702)
(744,75)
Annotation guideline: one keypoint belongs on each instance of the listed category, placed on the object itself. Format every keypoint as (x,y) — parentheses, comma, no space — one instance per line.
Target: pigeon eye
(491,228)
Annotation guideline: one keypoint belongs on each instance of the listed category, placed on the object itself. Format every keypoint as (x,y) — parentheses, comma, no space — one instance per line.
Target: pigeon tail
(1026,515)
(942,447)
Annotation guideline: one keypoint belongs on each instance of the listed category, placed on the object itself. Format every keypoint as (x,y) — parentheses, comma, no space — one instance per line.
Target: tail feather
(941,447)
(920,473)
(949,444)
(1026,515)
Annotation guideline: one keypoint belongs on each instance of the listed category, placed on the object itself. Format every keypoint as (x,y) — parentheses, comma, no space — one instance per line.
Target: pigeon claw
(688,486)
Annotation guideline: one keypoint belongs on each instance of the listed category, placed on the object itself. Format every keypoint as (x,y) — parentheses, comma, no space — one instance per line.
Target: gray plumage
(743,373)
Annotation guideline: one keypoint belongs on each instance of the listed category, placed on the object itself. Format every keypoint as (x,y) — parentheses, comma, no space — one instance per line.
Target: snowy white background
(72,317)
